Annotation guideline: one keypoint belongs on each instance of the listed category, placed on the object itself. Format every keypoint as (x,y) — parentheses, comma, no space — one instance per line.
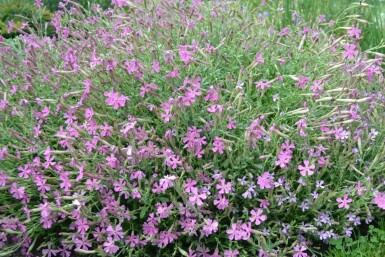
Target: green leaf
(183,252)
(143,213)
(163,199)
(335,241)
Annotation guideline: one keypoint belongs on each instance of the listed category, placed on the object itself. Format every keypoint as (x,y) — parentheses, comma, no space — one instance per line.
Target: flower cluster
(172,127)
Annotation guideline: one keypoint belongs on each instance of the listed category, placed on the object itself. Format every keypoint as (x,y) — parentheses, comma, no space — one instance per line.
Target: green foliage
(53,4)
(372,245)
(310,10)
(20,11)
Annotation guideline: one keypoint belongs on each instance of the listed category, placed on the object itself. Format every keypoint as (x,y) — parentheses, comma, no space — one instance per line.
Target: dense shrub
(194,129)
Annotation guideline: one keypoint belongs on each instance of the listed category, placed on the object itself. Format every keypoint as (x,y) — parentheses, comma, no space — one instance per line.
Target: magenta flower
(380,200)
(306,170)
(223,187)
(257,216)
(212,95)
(156,66)
(197,198)
(344,202)
(262,84)
(284,158)
(285,31)
(185,55)
(302,81)
(116,232)
(190,185)
(354,32)
(230,253)
(259,58)
(210,226)
(234,233)
(166,237)
(113,99)
(82,225)
(173,161)
(349,51)
(265,181)
(231,124)
(221,202)
(218,146)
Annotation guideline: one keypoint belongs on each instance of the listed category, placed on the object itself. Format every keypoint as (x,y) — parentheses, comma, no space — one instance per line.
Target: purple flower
(109,246)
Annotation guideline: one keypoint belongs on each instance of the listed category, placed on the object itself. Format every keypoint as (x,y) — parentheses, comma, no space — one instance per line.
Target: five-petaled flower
(380,200)
(344,202)
(349,51)
(306,170)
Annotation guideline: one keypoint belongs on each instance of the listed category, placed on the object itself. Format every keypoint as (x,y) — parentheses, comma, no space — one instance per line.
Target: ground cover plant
(181,128)
(372,244)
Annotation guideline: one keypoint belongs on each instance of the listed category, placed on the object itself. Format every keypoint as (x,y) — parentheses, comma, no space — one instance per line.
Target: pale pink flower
(344,202)
(306,170)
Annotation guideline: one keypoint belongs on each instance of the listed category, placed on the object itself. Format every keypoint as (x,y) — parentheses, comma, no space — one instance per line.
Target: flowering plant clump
(172,128)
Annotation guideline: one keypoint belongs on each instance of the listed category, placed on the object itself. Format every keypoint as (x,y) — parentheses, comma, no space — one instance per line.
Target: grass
(310,10)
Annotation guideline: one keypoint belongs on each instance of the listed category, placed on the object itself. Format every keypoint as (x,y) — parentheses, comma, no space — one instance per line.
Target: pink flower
(354,32)
(302,82)
(185,55)
(166,182)
(306,170)
(209,227)
(360,189)
(110,247)
(262,84)
(231,124)
(285,31)
(215,108)
(173,161)
(233,233)
(344,202)
(218,145)
(197,198)
(349,51)
(265,181)
(82,225)
(380,200)
(257,216)
(284,158)
(259,58)
(224,188)
(190,185)
(113,99)
(116,233)
(156,66)
(221,202)
(229,253)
